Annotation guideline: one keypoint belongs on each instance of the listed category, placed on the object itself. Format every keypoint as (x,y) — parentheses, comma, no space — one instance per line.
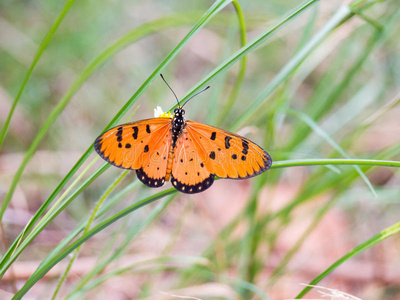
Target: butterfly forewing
(226,154)
(131,145)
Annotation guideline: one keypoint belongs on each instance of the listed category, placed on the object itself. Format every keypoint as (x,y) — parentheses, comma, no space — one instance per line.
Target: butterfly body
(177,125)
(188,153)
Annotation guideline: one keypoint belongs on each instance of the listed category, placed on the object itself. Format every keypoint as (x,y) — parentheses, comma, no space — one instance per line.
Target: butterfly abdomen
(170,161)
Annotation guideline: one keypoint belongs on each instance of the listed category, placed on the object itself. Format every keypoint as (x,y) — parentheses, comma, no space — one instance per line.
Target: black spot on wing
(212,155)
(213,136)
(245,144)
(146,148)
(192,189)
(227,144)
(151,182)
(148,128)
(135,132)
(119,133)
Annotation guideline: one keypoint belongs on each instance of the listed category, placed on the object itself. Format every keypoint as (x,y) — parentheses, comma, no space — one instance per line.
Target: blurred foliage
(322,84)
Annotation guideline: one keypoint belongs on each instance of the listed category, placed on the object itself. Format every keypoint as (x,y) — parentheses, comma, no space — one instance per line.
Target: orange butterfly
(190,153)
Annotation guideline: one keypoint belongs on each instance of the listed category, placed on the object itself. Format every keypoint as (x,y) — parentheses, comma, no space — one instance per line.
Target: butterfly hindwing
(189,174)
(134,145)
(154,166)
(226,154)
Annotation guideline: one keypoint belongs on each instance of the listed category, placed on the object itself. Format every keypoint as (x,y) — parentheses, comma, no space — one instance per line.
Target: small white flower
(158,113)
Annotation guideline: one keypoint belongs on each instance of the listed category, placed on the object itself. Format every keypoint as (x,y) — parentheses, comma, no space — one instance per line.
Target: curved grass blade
(132,36)
(41,271)
(104,209)
(377,38)
(212,11)
(300,241)
(28,74)
(342,14)
(131,268)
(12,255)
(87,227)
(131,101)
(248,48)
(384,234)
(242,67)
(318,130)
(317,110)
(122,248)
(320,162)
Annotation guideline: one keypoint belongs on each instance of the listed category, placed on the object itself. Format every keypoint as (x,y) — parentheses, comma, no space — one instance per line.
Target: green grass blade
(340,16)
(44,222)
(318,130)
(320,162)
(131,268)
(104,209)
(40,272)
(291,163)
(384,234)
(123,247)
(318,107)
(242,67)
(39,213)
(87,227)
(300,241)
(28,74)
(132,36)
(212,11)
(248,48)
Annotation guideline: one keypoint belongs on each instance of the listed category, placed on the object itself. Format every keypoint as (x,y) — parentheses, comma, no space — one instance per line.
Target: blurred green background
(253,239)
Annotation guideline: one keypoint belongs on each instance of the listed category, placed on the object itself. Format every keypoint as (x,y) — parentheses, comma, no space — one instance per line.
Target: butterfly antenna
(171,90)
(206,88)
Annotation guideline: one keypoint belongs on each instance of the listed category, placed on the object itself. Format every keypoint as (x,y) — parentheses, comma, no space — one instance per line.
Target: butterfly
(188,153)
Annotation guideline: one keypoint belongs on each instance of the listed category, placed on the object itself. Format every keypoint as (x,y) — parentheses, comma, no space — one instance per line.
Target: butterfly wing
(142,146)
(189,174)
(226,154)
